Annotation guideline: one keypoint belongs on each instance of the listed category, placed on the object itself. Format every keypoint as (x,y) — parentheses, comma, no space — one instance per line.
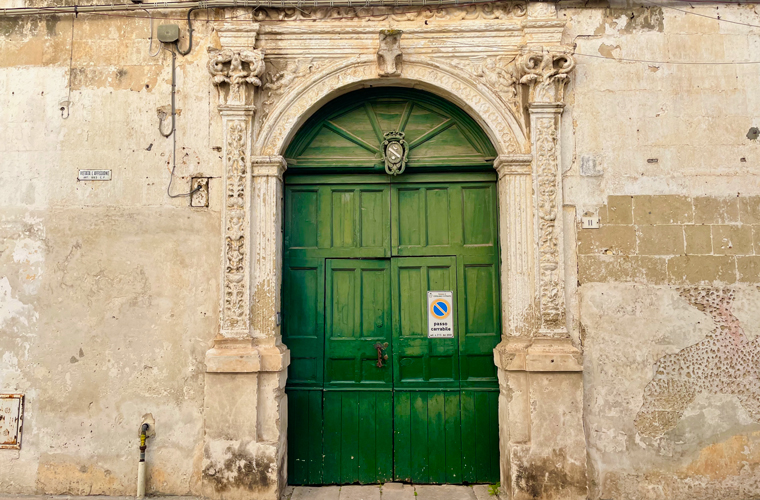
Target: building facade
(220,236)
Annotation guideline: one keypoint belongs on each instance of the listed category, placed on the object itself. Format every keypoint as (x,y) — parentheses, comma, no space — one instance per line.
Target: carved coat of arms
(395,151)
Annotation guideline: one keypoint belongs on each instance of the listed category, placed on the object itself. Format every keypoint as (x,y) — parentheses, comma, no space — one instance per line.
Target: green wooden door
(360,260)
(361,251)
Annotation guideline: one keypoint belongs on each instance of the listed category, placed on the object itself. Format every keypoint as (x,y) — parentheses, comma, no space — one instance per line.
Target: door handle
(380,355)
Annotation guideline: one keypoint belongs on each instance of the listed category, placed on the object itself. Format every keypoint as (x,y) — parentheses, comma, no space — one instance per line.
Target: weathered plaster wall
(108,290)
(667,286)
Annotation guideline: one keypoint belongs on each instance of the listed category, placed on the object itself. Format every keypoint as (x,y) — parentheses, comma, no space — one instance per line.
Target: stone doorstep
(389,491)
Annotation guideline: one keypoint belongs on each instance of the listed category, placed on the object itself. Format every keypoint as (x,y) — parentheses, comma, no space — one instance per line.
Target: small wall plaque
(94,175)
(11,418)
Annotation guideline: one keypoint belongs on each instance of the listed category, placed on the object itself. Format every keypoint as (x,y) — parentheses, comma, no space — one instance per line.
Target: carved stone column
(244,410)
(540,371)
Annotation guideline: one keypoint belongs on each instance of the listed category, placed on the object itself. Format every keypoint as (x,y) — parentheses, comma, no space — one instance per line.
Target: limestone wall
(109,291)
(667,286)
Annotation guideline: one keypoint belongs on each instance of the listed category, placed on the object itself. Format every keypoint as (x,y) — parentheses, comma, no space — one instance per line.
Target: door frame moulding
(536,354)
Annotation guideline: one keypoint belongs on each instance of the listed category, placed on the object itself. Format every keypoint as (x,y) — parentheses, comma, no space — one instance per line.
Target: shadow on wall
(726,362)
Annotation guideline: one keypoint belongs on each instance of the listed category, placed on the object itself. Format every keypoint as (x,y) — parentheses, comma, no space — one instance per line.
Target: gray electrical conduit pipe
(215,4)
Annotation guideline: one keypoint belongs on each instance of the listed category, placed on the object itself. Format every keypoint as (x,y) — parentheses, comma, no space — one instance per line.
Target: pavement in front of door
(390,491)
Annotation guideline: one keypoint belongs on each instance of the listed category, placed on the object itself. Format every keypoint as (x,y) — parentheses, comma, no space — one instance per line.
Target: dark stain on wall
(241,471)
(551,478)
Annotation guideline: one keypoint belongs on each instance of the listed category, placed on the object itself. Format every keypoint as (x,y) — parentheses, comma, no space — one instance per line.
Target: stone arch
(483,104)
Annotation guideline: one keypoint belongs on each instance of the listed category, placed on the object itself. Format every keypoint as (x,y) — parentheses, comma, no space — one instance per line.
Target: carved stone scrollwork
(233,71)
(498,10)
(235,307)
(279,78)
(546,73)
(500,74)
(547,172)
(389,55)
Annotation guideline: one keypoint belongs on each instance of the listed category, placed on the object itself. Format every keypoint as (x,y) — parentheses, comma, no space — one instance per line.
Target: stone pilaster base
(542,442)
(245,423)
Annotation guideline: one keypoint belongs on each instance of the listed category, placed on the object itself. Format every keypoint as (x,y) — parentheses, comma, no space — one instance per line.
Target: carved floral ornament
(234,69)
(484,11)
(546,72)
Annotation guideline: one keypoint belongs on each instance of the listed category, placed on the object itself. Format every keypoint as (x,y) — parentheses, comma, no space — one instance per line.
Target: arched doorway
(388,382)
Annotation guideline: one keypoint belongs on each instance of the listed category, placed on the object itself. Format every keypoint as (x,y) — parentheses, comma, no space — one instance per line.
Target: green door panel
(358,437)
(420,362)
(357,317)
(303,327)
(444,219)
(478,320)
(305,461)
(341,220)
(480,432)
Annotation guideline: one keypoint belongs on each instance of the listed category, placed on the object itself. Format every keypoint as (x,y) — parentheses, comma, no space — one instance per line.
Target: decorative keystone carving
(389,56)
(545,71)
(236,70)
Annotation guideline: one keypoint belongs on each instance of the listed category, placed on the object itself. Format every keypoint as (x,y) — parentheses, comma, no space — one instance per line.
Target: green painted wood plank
(315,455)
(493,438)
(384,436)
(431,133)
(482,435)
(436,437)
(402,451)
(373,121)
(419,436)
(298,445)
(453,430)
(405,116)
(368,438)
(469,436)
(333,425)
(349,451)
(351,137)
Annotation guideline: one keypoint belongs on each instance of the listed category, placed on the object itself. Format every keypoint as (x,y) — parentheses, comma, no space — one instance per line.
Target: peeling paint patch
(726,362)
(11,307)
(28,251)
(626,21)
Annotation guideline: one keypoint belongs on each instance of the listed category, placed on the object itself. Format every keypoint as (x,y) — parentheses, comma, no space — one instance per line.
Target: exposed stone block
(610,240)
(687,269)
(698,239)
(732,240)
(621,268)
(748,269)
(662,209)
(660,240)
(710,210)
(620,210)
(749,209)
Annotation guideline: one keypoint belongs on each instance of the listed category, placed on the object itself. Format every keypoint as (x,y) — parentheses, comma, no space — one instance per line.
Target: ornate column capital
(515,164)
(268,166)
(236,67)
(545,70)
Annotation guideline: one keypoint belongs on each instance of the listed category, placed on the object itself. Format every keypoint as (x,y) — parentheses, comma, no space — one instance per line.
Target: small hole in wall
(552,361)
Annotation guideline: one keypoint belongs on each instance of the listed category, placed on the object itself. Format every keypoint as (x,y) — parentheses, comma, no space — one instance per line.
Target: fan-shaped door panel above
(352,133)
